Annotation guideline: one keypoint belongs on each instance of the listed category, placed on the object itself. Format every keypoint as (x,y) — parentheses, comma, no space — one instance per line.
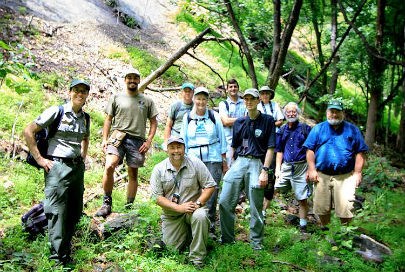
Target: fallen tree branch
(206,64)
(13,129)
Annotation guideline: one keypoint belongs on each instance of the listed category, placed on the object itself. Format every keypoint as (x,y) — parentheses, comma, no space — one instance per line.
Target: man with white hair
(291,165)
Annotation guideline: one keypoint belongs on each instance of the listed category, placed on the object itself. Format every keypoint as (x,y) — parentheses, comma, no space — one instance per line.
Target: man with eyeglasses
(291,164)
(336,153)
(182,185)
(127,114)
(64,166)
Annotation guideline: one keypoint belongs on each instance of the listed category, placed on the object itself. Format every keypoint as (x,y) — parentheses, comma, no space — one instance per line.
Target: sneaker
(303,229)
(105,209)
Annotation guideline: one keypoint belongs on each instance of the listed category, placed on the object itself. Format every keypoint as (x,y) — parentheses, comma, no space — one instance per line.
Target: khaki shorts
(337,191)
(129,148)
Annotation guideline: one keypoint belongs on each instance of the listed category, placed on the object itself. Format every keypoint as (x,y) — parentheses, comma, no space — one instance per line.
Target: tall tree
(279,59)
(333,37)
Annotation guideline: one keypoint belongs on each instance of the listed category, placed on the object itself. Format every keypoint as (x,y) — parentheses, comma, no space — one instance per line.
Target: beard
(335,122)
(292,119)
(132,87)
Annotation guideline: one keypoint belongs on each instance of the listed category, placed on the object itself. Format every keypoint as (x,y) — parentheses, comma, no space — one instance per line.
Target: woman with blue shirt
(204,138)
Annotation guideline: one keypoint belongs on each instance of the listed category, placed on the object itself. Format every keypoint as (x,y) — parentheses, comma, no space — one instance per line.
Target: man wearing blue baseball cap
(336,156)
(176,112)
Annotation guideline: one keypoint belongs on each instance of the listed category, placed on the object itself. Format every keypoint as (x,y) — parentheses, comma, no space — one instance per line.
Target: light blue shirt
(236,109)
(204,139)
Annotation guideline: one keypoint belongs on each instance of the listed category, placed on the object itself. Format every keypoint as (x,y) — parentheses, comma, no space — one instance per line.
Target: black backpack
(42,137)
(210,116)
(34,221)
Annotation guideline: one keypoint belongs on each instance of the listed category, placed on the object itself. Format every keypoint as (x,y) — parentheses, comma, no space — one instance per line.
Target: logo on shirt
(258,132)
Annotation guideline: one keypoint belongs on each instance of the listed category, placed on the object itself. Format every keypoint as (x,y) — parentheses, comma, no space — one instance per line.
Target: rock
(370,249)
(113,223)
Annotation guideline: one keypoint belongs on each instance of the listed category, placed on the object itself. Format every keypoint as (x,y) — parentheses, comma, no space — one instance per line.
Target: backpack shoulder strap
(53,127)
(87,120)
(226,105)
(211,116)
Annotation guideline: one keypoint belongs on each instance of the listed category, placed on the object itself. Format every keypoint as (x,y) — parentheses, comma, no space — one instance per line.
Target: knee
(200,215)
(110,166)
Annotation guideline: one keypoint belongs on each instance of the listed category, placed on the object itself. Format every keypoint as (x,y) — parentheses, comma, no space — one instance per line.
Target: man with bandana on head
(336,156)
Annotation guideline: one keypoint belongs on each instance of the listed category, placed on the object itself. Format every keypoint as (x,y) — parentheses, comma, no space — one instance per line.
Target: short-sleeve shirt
(272,109)
(254,137)
(192,177)
(176,113)
(204,139)
(130,113)
(290,141)
(72,130)
(236,109)
(335,150)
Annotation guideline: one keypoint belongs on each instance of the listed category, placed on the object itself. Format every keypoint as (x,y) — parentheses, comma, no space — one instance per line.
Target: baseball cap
(253,92)
(78,81)
(199,90)
(132,71)
(187,85)
(335,104)
(175,139)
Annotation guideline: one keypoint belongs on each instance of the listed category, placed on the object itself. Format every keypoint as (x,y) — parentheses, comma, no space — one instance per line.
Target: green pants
(63,205)
(188,228)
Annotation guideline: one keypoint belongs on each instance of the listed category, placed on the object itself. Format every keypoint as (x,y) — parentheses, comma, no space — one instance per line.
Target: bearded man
(335,156)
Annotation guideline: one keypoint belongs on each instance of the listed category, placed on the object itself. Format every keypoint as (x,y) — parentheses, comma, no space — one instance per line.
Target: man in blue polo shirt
(335,156)
(253,140)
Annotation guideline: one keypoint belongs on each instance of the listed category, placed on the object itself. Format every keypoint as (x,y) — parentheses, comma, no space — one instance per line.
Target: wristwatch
(265,168)
(198,202)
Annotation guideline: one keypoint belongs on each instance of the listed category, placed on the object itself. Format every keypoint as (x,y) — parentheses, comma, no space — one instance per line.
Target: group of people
(244,145)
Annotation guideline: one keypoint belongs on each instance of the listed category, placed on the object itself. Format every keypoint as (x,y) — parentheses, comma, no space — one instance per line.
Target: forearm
(206,194)
(227,121)
(359,162)
(279,160)
(107,127)
(311,160)
(85,147)
(269,157)
(167,204)
(152,129)
(168,129)
(29,135)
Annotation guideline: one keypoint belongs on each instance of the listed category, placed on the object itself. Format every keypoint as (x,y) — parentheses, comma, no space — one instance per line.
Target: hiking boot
(105,209)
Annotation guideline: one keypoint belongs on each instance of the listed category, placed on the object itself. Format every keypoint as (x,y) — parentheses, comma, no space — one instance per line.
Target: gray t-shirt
(188,182)
(176,113)
(130,113)
(72,130)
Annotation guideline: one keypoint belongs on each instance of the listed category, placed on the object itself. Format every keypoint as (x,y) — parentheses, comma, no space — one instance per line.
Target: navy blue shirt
(290,141)
(335,150)
(254,137)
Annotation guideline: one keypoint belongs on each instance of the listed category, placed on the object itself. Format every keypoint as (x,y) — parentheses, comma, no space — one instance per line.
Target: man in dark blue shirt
(335,156)
(253,140)
(291,164)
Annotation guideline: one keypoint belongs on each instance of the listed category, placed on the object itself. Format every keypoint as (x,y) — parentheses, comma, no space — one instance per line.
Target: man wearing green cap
(127,114)
(336,156)
(176,112)
(63,165)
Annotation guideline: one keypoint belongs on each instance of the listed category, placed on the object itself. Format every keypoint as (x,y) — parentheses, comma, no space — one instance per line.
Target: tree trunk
(333,37)
(245,47)
(401,133)
(377,68)
(162,69)
(285,43)
(276,36)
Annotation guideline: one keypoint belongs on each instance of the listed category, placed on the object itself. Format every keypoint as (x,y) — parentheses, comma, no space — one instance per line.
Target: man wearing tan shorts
(336,156)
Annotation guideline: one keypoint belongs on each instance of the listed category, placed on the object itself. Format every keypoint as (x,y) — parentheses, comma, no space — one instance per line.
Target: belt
(76,160)
(248,156)
(333,172)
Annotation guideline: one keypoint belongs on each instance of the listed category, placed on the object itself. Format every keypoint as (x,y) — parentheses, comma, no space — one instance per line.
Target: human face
(132,81)
(335,117)
(176,152)
(200,103)
(78,95)
(251,102)
(265,96)
(291,114)
(232,89)
(187,94)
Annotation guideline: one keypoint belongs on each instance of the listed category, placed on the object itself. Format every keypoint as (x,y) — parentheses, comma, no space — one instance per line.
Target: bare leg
(111,163)
(303,209)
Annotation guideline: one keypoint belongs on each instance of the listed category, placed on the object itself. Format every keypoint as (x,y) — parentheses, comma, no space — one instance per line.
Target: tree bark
(285,43)
(276,35)
(160,71)
(333,37)
(245,47)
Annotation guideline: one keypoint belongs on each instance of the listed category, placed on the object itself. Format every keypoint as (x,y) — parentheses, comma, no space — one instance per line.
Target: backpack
(34,221)
(42,136)
(210,116)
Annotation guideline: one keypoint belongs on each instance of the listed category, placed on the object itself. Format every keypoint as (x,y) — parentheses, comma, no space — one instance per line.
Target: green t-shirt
(130,113)
(176,113)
